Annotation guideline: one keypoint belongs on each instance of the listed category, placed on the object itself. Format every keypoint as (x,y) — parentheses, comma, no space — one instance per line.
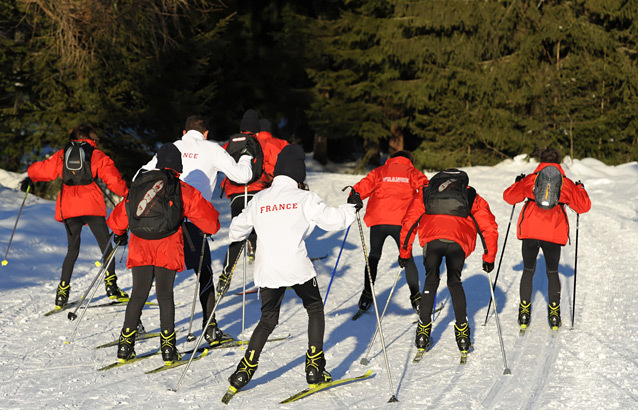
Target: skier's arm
(118,220)
(242,225)
(46,170)
(519,191)
(198,210)
(412,215)
(105,170)
(326,217)
(575,196)
(488,227)
(366,186)
(240,171)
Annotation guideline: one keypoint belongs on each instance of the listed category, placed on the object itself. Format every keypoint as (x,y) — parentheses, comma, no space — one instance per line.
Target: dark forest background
(459,83)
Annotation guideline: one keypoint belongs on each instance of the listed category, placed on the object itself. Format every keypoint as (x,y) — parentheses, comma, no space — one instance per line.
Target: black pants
(271,304)
(192,258)
(434,252)
(551,251)
(142,281)
(378,234)
(236,206)
(100,231)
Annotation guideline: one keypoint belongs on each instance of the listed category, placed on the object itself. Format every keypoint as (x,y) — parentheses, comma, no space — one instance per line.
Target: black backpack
(240,144)
(76,168)
(154,204)
(447,194)
(547,187)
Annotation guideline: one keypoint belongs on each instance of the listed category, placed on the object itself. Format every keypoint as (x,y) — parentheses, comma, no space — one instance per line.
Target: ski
(60,309)
(138,337)
(120,303)
(230,393)
(182,361)
(521,332)
(463,358)
(418,356)
(247,292)
(322,386)
(318,258)
(129,361)
(358,314)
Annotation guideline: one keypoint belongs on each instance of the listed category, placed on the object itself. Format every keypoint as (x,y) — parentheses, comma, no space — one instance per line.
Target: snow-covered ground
(592,365)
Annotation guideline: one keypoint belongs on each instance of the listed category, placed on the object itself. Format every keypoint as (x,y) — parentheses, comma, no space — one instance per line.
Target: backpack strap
(407,238)
(188,236)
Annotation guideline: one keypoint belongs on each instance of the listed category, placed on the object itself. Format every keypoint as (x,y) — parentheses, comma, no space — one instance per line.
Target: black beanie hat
(405,154)
(264,125)
(250,122)
(291,162)
(169,156)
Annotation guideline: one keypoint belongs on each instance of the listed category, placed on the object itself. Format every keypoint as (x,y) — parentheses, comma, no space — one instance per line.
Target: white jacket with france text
(283,217)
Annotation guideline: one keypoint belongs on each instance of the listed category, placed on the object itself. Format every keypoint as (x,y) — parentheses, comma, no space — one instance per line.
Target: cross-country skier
(448,215)
(81,202)
(546,229)
(159,259)
(390,188)
(283,217)
(250,125)
(202,160)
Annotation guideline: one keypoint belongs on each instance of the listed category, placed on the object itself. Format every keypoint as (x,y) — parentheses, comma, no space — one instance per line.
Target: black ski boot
(245,370)
(415,300)
(423,336)
(524,314)
(168,347)
(126,345)
(212,333)
(62,294)
(553,316)
(365,301)
(224,283)
(462,334)
(316,367)
(112,290)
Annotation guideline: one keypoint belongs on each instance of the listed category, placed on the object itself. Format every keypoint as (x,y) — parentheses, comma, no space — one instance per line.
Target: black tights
(100,231)
(142,281)
(271,304)
(551,251)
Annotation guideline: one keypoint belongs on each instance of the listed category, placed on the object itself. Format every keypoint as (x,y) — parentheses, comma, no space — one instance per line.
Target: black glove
(519,177)
(488,266)
(27,183)
(403,262)
(355,199)
(121,240)
(578,183)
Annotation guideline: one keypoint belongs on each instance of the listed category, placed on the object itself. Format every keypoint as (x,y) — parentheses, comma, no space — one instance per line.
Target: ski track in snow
(590,366)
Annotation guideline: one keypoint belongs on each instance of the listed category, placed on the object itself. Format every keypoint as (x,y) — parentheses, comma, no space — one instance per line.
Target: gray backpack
(547,186)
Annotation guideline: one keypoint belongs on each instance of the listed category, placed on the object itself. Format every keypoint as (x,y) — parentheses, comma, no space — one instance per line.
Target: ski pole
(243,295)
(365,360)
(199,339)
(101,272)
(498,326)
(191,336)
(393,399)
(498,269)
(5,262)
(336,264)
(575,270)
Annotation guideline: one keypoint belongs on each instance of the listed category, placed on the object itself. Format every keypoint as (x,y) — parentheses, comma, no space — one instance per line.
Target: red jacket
(80,200)
(455,228)
(550,225)
(391,188)
(271,147)
(166,252)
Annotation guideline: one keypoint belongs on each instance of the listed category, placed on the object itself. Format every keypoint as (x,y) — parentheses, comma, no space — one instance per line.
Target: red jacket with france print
(455,228)
(549,225)
(80,200)
(271,147)
(166,252)
(390,188)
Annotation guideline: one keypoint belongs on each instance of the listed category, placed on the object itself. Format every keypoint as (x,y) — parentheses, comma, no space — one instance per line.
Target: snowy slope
(590,366)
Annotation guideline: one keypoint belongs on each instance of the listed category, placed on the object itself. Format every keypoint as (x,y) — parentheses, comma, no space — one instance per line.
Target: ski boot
(423,336)
(553,316)
(365,301)
(245,370)
(462,334)
(112,290)
(62,295)
(168,348)
(524,314)
(316,367)
(224,283)
(126,345)
(415,300)
(212,333)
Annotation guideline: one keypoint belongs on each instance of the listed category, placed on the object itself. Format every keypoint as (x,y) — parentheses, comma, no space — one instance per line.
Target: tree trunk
(320,149)
(396,141)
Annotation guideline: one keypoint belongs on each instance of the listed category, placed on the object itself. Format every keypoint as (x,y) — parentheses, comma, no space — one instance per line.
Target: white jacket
(283,217)
(202,159)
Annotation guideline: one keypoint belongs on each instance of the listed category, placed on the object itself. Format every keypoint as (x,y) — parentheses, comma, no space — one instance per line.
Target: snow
(592,365)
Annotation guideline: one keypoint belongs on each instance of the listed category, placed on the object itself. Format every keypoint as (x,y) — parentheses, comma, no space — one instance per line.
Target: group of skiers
(168,212)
